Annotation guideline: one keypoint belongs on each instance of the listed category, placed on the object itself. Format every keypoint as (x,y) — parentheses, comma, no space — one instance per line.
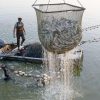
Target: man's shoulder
(22,23)
(17,23)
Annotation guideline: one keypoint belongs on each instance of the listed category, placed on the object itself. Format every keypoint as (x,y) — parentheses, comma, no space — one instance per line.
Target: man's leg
(18,41)
(23,39)
(6,74)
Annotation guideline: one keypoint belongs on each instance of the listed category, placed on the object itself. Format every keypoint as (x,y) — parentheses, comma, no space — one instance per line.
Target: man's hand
(14,33)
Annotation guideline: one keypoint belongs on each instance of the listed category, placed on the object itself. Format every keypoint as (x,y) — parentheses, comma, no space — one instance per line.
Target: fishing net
(59,26)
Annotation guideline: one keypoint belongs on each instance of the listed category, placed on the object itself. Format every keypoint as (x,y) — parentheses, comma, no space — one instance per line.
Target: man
(6,73)
(19,31)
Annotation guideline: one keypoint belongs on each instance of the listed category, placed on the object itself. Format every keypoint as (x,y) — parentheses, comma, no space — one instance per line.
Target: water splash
(60,69)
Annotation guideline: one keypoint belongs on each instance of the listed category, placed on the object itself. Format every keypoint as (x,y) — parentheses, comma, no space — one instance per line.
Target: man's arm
(24,30)
(14,31)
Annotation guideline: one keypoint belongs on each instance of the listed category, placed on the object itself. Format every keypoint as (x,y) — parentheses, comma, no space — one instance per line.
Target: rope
(47,5)
(83,30)
(91,28)
(49,2)
(79,3)
(90,41)
(64,1)
(34,2)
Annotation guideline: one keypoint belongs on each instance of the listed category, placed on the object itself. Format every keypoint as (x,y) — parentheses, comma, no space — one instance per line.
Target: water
(62,71)
(84,84)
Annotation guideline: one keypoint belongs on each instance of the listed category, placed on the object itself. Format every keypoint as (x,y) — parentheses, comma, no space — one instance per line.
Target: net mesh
(59,26)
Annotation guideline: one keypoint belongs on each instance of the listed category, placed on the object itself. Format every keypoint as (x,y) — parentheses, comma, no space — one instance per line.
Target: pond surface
(86,79)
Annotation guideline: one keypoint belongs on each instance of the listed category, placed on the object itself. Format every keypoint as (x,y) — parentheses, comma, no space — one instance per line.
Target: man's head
(19,19)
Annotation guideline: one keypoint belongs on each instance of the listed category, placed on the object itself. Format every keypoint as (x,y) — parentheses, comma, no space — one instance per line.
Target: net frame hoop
(80,8)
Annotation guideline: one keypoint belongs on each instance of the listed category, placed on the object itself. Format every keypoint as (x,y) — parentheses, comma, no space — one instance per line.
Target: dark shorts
(20,35)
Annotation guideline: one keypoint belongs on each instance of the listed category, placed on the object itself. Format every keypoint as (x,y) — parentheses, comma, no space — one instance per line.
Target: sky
(91,13)
(92,5)
(10,10)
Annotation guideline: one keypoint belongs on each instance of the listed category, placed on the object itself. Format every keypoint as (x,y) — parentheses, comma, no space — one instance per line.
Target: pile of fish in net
(60,35)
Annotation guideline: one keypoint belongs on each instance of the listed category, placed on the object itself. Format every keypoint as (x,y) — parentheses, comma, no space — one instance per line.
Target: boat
(10,52)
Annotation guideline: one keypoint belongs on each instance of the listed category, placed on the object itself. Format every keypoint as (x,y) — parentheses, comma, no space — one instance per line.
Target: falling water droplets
(60,69)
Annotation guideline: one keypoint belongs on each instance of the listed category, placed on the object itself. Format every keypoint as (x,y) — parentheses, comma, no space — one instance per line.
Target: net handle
(48,2)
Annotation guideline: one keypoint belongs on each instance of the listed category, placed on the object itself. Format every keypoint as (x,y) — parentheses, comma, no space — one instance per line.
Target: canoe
(22,59)
(12,53)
